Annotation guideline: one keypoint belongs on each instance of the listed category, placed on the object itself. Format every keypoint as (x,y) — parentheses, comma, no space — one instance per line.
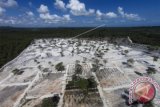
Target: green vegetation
(17,72)
(155,58)
(126,51)
(60,67)
(81,83)
(138,73)
(95,65)
(15,40)
(151,70)
(50,102)
(131,60)
(152,48)
(78,69)
(84,85)
(149,104)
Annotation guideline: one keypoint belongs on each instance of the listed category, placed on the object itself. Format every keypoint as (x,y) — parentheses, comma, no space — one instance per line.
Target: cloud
(60,4)
(8,3)
(2,11)
(107,15)
(129,16)
(78,9)
(52,18)
(43,9)
(67,17)
(20,20)
(111,15)
(29,13)
(99,13)
(48,18)
(10,21)
(121,11)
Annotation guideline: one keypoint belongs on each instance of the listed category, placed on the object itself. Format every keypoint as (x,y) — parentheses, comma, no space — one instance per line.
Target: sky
(79,13)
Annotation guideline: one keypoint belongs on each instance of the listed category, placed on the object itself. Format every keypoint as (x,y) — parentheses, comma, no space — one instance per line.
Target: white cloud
(54,18)
(91,11)
(60,4)
(111,15)
(8,3)
(67,17)
(77,8)
(99,13)
(43,9)
(51,18)
(10,20)
(25,20)
(129,16)
(2,11)
(108,15)
(121,12)
(29,13)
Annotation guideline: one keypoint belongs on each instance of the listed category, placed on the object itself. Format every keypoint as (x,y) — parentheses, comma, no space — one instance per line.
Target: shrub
(155,58)
(60,67)
(17,72)
(138,73)
(50,102)
(151,70)
(126,51)
(78,69)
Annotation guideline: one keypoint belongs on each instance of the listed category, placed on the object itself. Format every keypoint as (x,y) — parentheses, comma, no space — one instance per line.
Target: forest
(15,40)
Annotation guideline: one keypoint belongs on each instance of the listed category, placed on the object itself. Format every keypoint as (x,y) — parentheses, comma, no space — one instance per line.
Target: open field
(9,95)
(112,77)
(51,84)
(115,99)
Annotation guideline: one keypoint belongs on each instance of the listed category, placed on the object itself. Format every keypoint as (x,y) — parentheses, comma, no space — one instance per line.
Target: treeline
(14,40)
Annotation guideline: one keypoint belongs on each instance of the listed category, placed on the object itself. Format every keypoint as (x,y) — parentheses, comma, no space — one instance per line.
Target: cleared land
(46,66)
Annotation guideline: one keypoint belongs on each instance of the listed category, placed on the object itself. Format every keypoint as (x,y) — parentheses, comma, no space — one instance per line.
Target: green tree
(151,70)
(60,67)
(50,102)
(155,58)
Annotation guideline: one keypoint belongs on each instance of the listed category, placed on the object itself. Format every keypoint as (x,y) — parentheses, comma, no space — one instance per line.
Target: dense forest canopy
(14,40)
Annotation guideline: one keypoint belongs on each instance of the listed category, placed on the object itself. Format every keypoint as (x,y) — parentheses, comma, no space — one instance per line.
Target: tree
(83,85)
(61,52)
(152,48)
(60,67)
(95,65)
(151,70)
(138,73)
(91,82)
(126,51)
(72,52)
(155,58)
(130,62)
(50,102)
(17,72)
(78,69)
